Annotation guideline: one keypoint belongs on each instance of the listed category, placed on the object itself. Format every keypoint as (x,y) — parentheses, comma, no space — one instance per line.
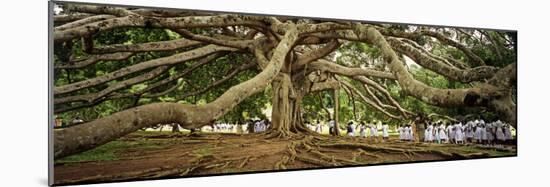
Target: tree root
(363,152)
(245,161)
(362,146)
(315,161)
(281,164)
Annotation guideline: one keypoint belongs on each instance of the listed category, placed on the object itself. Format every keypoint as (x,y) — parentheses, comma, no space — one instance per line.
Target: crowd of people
(473,131)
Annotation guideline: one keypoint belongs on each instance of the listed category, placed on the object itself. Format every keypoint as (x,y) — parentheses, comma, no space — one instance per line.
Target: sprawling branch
(367,100)
(140,21)
(84,21)
(170,60)
(327,66)
(219,81)
(92,59)
(313,55)
(442,38)
(475,96)
(147,47)
(467,75)
(93,97)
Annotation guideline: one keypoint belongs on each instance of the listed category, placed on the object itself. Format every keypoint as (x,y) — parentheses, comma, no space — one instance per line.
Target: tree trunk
(336,131)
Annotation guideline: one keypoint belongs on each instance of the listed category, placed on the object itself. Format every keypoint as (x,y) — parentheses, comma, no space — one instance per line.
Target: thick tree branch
(170,60)
(465,76)
(92,59)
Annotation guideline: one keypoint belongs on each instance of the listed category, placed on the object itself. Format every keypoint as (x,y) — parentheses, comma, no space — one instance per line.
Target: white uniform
(406,133)
(477,133)
(429,133)
(362,131)
(469,130)
(401,133)
(318,128)
(450,132)
(436,132)
(373,130)
(458,132)
(489,132)
(385,131)
(442,133)
(351,130)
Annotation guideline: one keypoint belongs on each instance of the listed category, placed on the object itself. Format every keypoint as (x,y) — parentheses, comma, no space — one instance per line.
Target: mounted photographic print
(140,93)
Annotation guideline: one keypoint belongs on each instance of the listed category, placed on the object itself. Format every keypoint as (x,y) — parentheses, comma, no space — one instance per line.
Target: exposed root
(315,161)
(245,161)
(281,164)
(363,146)
(363,152)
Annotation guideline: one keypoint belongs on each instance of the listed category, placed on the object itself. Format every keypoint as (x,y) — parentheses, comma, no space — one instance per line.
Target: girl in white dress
(385,134)
(373,133)
(451,133)
(401,133)
(477,133)
(429,133)
(469,131)
(499,132)
(406,133)
(318,127)
(362,130)
(442,133)
(350,129)
(459,136)
(426,132)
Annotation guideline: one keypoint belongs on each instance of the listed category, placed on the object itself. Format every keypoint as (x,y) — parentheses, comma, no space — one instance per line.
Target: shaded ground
(147,155)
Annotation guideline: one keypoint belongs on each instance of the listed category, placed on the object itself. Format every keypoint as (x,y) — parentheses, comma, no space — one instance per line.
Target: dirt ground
(149,155)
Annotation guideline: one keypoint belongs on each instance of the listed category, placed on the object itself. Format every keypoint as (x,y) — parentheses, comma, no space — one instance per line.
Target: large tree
(153,53)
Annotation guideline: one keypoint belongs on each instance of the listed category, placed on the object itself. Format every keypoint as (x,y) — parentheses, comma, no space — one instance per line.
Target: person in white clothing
(406,133)
(477,133)
(451,133)
(429,133)
(459,138)
(469,131)
(362,129)
(499,132)
(350,129)
(385,134)
(318,127)
(442,134)
(401,132)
